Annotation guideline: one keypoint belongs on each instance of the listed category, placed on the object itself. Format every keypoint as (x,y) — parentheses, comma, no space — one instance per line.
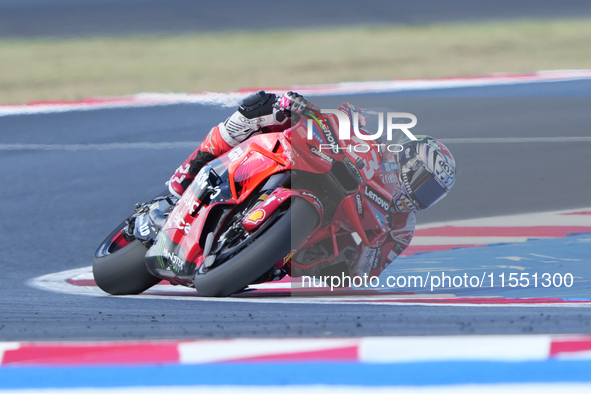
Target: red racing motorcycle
(249,211)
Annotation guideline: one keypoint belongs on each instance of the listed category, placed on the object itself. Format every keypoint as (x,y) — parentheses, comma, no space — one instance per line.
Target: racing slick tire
(262,254)
(124,271)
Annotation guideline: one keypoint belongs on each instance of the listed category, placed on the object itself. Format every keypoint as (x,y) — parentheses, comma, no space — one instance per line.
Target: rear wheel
(119,266)
(260,255)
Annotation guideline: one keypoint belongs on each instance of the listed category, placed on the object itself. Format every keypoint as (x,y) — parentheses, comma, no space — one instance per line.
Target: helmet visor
(423,186)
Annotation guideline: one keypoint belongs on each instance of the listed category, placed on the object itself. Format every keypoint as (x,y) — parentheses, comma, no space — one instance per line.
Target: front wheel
(262,254)
(119,267)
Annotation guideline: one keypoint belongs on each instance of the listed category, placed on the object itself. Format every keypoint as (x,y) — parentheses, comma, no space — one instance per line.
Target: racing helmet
(427,172)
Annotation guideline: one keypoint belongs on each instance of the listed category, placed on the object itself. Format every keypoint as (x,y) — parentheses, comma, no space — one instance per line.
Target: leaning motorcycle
(249,211)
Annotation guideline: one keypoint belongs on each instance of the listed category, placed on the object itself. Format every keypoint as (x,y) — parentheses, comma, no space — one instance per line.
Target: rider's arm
(255,112)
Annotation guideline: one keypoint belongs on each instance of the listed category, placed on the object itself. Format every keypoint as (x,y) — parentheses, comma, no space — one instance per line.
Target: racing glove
(290,103)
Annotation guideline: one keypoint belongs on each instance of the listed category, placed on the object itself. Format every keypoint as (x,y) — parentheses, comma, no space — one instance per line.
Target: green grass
(70,69)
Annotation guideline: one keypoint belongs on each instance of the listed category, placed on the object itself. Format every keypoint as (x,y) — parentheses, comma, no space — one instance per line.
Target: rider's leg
(213,146)
(255,112)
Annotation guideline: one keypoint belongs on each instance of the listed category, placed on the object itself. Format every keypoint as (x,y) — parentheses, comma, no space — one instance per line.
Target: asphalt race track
(69,18)
(59,203)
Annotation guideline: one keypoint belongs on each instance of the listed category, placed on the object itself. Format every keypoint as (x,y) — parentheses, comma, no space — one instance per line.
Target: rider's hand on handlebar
(290,103)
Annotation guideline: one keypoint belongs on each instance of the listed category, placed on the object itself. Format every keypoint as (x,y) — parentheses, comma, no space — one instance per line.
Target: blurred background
(75,49)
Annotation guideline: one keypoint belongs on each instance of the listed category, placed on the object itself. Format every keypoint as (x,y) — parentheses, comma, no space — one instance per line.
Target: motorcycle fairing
(217,190)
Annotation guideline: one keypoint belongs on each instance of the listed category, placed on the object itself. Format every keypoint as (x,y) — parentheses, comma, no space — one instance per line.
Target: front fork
(148,219)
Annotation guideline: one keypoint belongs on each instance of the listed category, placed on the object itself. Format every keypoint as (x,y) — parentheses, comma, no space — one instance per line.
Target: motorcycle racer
(423,169)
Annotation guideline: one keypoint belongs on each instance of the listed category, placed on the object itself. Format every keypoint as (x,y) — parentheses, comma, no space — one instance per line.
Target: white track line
(109,146)
(553,218)
(57,282)
(443,240)
(233,98)
(142,100)
(191,144)
(487,388)
(207,352)
(513,140)
(508,348)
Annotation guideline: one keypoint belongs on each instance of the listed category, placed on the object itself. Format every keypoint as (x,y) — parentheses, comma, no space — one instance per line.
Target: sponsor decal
(203,179)
(286,150)
(373,195)
(181,224)
(317,136)
(145,229)
(388,177)
(360,163)
(354,113)
(317,202)
(376,260)
(207,146)
(353,169)
(444,173)
(380,189)
(287,258)
(369,260)
(391,255)
(403,238)
(176,262)
(256,217)
(359,204)
(216,192)
(329,136)
(345,226)
(404,204)
(398,248)
(268,201)
(407,153)
(183,171)
(190,202)
(321,154)
(379,216)
(251,121)
(390,166)
(235,153)
(269,142)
